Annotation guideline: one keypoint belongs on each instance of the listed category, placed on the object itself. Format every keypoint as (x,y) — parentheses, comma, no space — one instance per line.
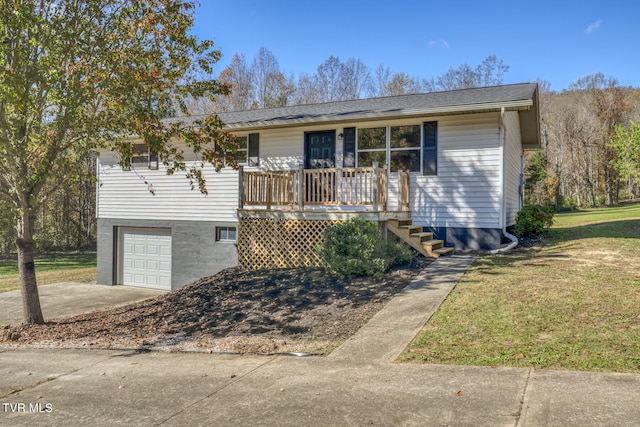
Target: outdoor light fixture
(340,136)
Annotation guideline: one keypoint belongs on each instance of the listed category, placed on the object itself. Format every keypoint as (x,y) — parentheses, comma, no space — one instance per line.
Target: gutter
(514,239)
(287,120)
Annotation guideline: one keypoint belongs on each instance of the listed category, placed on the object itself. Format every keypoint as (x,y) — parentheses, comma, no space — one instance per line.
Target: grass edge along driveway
(570,303)
(53,268)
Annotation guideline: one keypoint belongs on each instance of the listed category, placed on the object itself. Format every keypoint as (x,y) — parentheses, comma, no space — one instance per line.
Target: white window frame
(388,149)
(141,157)
(372,150)
(225,229)
(244,150)
(398,149)
(249,161)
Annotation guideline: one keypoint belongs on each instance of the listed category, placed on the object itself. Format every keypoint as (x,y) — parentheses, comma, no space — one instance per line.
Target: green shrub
(398,254)
(355,248)
(532,221)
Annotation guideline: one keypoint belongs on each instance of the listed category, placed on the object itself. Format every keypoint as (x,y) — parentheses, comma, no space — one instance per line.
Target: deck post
(240,187)
(301,179)
(375,186)
(400,189)
(404,194)
(269,190)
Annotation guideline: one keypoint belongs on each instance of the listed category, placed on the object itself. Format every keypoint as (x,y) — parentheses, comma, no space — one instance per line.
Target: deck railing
(295,189)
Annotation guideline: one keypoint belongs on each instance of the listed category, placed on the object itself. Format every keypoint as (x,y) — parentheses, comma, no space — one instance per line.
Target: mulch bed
(266,311)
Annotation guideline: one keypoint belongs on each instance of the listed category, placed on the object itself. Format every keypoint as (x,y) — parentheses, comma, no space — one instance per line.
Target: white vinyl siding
(466,190)
(154,195)
(282,149)
(513,167)
(464,193)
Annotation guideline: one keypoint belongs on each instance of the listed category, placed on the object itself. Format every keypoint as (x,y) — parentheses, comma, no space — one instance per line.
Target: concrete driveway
(64,299)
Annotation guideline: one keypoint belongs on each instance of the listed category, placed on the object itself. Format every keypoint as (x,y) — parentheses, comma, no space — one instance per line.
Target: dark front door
(320,150)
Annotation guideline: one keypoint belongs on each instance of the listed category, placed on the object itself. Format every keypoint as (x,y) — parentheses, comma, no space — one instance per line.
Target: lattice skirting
(279,243)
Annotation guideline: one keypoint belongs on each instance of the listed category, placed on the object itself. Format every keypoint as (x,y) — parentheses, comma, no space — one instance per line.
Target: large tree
(334,80)
(238,75)
(489,72)
(271,87)
(78,75)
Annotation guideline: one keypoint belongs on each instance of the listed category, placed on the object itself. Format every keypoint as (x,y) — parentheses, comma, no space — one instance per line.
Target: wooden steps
(420,240)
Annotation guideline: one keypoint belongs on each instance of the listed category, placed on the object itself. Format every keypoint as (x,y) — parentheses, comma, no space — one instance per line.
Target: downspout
(503,220)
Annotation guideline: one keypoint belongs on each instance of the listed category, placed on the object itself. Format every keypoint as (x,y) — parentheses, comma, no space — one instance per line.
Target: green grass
(52,268)
(571,303)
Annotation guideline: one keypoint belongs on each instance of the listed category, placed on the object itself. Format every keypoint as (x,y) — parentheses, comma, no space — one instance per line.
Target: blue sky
(559,41)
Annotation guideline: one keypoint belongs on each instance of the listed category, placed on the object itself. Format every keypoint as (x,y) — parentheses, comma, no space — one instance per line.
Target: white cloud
(593,26)
(434,43)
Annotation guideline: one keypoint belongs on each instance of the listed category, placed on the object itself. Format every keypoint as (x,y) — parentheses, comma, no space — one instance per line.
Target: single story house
(446,166)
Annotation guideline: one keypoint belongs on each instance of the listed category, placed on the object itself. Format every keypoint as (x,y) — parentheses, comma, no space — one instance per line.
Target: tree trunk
(30,300)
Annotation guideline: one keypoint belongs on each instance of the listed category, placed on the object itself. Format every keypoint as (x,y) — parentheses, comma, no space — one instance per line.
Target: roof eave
(530,124)
(286,122)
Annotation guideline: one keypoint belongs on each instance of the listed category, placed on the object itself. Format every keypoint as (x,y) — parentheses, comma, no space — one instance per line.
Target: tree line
(590,154)
(262,83)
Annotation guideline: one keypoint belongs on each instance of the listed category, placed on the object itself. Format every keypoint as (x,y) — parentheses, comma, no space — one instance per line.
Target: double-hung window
(372,146)
(248,151)
(412,148)
(404,148)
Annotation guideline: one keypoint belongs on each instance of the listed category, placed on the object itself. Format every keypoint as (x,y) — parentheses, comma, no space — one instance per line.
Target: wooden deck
(282,214)
(354,189)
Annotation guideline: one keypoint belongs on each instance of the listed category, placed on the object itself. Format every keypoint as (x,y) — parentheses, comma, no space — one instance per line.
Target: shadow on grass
(533,257)
(66,260)
(626,229)
(555,244)
(48,262)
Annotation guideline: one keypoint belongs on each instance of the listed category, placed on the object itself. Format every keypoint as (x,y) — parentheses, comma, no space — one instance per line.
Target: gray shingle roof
(448,102)
(521,97)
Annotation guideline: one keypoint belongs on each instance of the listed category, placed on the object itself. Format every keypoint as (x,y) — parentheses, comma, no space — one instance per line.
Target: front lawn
(53,268)
(570,303)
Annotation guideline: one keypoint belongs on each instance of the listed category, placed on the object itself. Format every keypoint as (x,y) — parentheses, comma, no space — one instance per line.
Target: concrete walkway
(356,385)
(387,334)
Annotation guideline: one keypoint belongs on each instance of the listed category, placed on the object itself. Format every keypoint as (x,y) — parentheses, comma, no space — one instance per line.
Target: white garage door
(146,257)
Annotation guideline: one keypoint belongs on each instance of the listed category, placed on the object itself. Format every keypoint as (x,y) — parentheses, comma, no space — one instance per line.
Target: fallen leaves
(280,310)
